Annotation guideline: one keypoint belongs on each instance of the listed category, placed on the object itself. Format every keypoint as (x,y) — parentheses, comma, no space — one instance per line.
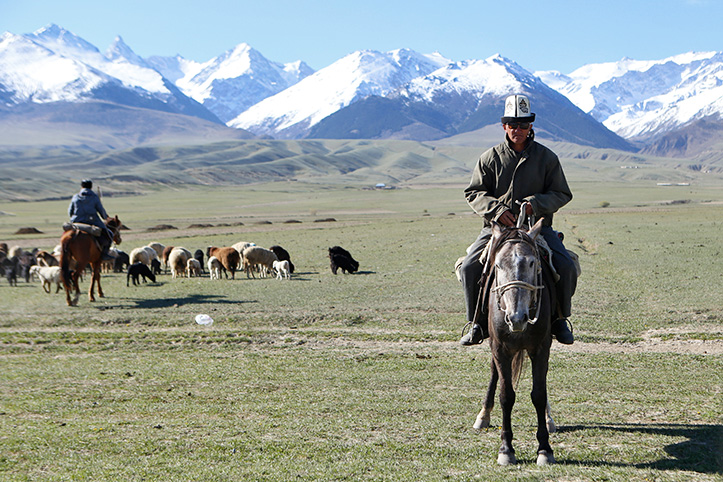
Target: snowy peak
(356,76)
(494,76)
(62,42)
(33,73)
(232,82)
(638,99)
(120,51)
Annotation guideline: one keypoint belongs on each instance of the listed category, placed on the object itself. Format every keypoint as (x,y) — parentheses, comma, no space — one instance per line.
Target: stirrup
(469,338)
(567,327)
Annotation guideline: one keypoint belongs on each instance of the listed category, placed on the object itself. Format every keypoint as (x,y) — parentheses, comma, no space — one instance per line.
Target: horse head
(517,274)
(114,224)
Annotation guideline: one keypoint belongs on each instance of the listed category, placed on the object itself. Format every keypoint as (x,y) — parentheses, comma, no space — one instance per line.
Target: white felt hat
(517,109)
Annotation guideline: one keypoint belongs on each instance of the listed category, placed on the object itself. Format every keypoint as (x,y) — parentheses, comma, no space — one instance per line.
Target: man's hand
(508,219)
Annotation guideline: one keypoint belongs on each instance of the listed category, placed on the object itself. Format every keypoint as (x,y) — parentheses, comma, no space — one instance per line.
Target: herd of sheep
(148,261)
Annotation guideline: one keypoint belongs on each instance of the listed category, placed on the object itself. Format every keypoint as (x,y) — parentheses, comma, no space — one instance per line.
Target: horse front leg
(539,400)
(506,455)
(483,419)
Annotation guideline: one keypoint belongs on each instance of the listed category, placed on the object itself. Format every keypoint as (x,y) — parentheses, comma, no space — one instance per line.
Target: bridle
(519,236)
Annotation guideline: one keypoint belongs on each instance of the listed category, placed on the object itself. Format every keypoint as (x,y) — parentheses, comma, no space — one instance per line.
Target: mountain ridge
(428,96)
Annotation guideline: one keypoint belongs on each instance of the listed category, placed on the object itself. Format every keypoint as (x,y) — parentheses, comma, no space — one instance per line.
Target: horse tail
(518,360)
(65,259)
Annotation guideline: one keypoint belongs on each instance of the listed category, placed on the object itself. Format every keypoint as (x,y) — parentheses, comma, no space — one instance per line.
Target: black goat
(342,259)
(137,270)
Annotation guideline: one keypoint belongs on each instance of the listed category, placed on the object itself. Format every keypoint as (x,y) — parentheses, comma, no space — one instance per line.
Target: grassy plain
(360,377)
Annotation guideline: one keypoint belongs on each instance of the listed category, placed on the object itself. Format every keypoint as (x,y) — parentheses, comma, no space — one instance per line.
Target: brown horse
(521,304)
(81,247)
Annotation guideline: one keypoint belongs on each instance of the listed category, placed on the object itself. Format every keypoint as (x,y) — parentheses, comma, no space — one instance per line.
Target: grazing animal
(139,270)
(156,266)
(256,256)
(166,253)
(283,269)
(282,254)
(80,246)
(10,270)
(198,255)
(193,267)
(521,303)
(229,258)
(340,258)
(46,259)
(178,260)
(48,275)
(122,260)
(214,267)
(158,248)
(141,255)
(241,245)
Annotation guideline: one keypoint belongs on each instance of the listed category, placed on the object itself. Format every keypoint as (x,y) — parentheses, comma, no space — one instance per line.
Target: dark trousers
(471,271)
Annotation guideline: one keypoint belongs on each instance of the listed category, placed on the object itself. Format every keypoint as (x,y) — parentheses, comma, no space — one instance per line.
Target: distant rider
(85,207)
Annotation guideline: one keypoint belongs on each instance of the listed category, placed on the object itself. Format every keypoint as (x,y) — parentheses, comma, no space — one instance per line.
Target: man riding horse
(85,207)
(517,170)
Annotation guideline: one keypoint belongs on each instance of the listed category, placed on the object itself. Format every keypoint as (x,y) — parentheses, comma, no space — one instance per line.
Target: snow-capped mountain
(462,97)
(231,83)
(53,65)
(400,94)
(292,112)
(641,100)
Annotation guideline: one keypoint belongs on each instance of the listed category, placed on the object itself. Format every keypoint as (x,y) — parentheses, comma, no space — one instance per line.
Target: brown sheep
(230,258)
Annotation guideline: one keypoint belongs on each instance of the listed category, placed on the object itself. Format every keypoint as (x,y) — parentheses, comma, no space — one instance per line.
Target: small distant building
(381,185)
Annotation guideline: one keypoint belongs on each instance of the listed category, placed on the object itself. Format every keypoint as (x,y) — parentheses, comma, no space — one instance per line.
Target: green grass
(360,377)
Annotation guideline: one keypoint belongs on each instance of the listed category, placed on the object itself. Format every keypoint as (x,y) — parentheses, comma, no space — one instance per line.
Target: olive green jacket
(503,176)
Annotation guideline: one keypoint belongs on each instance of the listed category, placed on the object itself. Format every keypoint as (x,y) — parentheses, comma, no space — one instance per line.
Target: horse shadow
(702,452)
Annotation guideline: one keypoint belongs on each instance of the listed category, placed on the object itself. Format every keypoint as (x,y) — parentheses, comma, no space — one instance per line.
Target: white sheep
(158,248)
(282,268)
(214,267)
(193,267)
(178,260)
(47,275)
(254,256)
(241,245)
(140,255)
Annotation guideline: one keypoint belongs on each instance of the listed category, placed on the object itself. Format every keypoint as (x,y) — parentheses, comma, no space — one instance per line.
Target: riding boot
(474,336)
(104,243)
(561,331)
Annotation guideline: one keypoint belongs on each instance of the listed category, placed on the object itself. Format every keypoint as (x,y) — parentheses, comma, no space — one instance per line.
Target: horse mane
(506,234)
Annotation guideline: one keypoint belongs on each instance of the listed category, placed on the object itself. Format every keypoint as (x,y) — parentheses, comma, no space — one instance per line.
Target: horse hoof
(479,424)
(506,459)
(545,458)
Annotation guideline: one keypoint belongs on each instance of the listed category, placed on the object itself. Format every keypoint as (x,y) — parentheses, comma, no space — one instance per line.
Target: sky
(560,35)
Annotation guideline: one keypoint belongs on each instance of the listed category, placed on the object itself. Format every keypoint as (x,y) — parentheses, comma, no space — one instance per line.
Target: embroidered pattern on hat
(523,107)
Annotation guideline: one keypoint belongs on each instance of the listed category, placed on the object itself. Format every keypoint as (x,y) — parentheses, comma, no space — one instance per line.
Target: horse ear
(535,230)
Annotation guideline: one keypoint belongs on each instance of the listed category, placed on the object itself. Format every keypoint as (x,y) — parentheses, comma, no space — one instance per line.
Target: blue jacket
(85,208)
